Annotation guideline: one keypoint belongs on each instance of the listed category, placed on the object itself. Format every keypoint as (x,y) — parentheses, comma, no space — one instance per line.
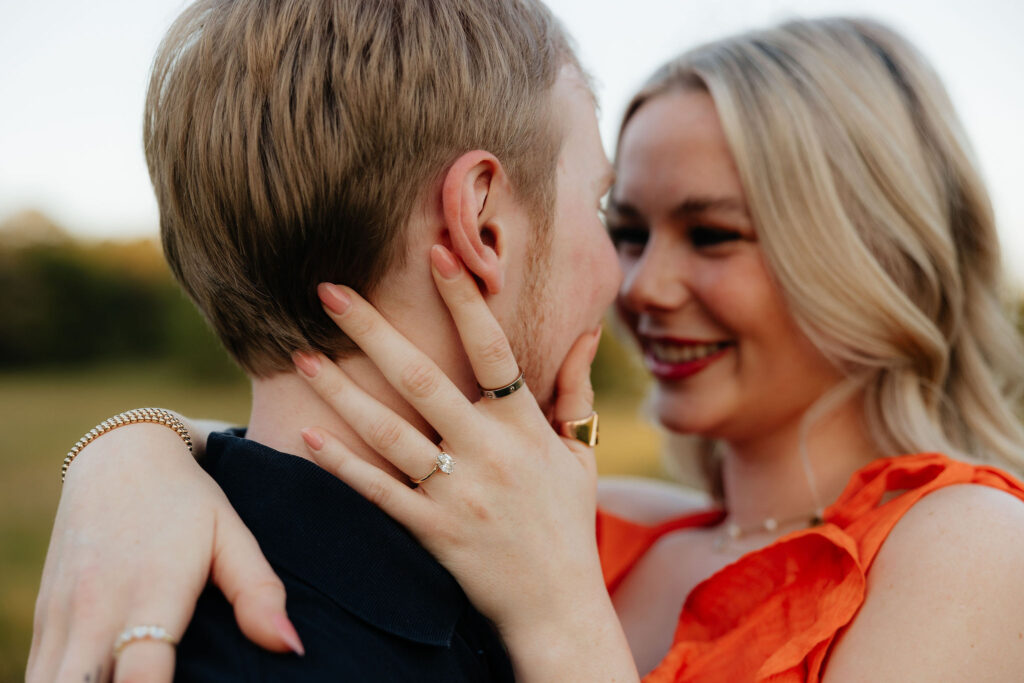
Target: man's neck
(285,404)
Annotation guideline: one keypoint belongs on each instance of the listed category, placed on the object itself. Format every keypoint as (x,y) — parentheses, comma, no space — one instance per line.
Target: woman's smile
(669,359)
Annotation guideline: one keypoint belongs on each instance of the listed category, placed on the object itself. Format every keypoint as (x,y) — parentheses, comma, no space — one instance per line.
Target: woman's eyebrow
(691,206)
(700,205)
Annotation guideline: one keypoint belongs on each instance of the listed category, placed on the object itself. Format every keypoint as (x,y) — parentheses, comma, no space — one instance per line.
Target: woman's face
(728,358)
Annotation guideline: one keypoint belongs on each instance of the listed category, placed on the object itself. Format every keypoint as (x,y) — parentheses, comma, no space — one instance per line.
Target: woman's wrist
(580,641)
(157,416)
(117,456)
(135,433)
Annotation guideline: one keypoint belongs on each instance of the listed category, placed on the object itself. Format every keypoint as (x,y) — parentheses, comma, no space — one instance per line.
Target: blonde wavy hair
(875,224)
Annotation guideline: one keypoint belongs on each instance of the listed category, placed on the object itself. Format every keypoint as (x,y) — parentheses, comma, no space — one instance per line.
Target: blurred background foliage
(90,329)
(67,303)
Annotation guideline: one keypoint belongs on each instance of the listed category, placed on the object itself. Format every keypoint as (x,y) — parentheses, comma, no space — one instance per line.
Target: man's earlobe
(466,199)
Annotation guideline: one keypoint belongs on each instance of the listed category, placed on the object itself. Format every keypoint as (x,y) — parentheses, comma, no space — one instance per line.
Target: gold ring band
(443,462)
(137,633)
(584,431)
(501,392)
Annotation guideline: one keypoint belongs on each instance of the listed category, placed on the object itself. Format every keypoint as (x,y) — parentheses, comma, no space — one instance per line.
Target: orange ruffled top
(773,614)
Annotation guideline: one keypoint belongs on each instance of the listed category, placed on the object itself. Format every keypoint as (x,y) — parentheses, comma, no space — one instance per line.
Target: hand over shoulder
(139,529)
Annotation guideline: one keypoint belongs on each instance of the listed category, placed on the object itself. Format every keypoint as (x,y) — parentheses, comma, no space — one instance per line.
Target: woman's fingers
(64,654)
(485,342)
(145,660)
(376,424)
(249,583)
(574,393)
(407,369)
(400,502)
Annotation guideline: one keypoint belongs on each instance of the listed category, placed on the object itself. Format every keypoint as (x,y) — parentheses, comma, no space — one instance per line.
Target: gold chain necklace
(734,532)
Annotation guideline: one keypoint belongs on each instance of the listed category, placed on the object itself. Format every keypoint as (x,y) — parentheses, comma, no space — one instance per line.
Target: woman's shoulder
(649,501)
(905,509)
(948,522)
(945,585)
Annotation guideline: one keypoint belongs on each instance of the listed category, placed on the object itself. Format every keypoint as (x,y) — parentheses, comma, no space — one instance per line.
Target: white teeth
(683,353)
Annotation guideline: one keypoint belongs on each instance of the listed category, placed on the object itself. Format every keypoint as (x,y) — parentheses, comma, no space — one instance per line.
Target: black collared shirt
(368,601)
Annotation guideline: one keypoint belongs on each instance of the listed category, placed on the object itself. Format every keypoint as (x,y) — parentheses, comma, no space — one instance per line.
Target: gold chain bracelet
(154,415)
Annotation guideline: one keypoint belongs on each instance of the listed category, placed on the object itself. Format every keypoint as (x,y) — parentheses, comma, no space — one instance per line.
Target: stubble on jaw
(532,312)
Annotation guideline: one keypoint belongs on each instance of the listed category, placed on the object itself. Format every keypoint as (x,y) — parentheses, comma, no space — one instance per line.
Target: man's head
(290,142)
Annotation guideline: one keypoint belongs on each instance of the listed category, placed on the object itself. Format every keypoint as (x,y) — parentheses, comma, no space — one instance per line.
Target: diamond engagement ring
(137,633)
(584,431)
(501,392)
(443,462)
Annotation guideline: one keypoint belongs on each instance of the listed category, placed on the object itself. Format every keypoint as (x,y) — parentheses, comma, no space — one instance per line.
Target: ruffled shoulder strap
(880,494)
(761,617)
(621,543)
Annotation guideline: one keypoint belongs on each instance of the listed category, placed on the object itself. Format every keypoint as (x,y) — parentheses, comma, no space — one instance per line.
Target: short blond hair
(288,143)
(875,224)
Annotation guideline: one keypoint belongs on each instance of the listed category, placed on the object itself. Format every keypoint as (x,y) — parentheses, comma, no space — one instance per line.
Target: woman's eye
(628,240)
(703,236)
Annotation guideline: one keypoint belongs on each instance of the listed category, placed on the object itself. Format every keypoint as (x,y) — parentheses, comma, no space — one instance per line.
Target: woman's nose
(655,280)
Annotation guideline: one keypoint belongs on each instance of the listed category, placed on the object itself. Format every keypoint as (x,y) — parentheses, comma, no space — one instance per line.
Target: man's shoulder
(369,602)
(339,647)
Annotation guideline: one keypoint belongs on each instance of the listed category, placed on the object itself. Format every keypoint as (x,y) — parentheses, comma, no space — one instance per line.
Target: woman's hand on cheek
(514,520)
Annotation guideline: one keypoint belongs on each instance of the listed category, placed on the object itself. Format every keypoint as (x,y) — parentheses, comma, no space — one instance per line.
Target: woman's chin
(684,419)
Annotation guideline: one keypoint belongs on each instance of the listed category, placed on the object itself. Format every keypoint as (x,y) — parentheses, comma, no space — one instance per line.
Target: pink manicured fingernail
(307,363)
(333,297)
(445,262)
(288,634)
(312,439)
(597,343)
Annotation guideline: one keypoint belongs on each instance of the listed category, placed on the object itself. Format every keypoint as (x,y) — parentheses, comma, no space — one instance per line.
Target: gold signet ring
(584,431)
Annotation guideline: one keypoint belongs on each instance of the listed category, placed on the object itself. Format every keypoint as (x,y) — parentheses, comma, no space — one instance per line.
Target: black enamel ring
(504,391)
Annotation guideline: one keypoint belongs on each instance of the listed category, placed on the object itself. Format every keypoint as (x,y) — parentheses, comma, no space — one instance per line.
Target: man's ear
(469,200)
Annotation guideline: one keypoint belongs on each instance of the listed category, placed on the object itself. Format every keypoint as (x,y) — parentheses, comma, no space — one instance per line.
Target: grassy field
(43,414)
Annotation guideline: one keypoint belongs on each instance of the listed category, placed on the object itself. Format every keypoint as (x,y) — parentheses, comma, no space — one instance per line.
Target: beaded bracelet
(154,415)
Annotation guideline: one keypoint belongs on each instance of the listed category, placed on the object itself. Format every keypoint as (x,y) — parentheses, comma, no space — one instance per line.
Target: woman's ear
(469,198)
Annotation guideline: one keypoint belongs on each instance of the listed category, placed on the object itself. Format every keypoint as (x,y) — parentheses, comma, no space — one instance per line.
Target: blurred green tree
(72,303)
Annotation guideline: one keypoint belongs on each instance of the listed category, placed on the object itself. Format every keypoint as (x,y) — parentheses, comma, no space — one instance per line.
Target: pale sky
(73,76)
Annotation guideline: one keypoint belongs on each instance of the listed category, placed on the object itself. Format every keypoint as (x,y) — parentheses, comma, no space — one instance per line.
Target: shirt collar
(316,527)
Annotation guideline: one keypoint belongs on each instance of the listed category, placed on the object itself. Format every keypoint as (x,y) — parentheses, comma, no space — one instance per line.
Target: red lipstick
(671,358)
